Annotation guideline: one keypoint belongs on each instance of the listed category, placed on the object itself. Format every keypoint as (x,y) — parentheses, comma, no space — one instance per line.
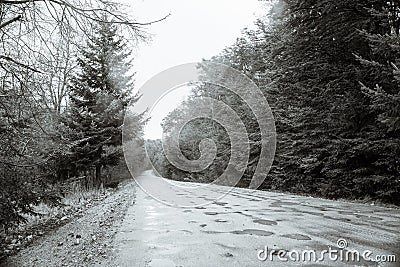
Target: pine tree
(332,47)
(382,80)
(311,62)
(99,95)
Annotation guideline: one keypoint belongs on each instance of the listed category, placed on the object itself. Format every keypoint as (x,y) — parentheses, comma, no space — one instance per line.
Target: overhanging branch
(17,2)
(19,63)
(10,21)
(86,12)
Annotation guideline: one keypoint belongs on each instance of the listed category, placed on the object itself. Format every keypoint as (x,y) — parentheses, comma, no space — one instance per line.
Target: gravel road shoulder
(86,241)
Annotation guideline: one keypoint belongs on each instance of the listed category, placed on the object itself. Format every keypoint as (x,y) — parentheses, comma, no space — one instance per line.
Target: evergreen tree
(381,66)
(330,71)
(99,94)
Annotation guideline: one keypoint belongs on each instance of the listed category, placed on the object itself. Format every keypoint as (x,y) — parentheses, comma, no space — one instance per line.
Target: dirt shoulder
(86,241)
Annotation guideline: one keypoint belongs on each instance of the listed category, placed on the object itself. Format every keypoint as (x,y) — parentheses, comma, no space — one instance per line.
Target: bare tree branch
(10,21)
(19,63)
(87,12)
(18,2)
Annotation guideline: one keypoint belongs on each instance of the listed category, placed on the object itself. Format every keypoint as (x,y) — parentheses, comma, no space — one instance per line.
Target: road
(236,229)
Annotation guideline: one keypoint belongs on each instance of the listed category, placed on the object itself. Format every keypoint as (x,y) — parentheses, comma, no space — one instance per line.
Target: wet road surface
(252,228)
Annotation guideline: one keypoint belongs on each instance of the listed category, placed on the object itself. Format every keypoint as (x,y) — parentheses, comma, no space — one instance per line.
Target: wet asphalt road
(252,228)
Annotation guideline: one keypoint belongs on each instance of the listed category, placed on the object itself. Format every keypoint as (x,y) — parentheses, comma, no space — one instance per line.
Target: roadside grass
(73,205)
(80,197)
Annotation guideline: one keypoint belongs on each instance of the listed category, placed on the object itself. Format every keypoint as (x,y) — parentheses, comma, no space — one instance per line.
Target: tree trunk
(98,176)
(97,181)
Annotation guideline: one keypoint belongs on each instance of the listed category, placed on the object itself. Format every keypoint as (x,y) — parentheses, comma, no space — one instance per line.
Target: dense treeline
(65,84)
(330,71)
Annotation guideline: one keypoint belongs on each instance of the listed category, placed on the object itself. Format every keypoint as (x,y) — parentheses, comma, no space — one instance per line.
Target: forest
(329,69)
(330,72)
(66,81)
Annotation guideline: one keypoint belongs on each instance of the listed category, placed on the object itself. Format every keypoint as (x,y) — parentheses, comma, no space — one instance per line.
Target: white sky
(195,30)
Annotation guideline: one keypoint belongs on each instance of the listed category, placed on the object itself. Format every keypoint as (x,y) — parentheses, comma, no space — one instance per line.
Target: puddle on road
(221,221)
(212,213)
(337,219)
(313,213)
(243,232)
(366,217)
(278,210)
(242,213)
(253,232)
(265,222)
(342,212)
(279,203)
(220,203)
(318,208)
(186,211)
(297,236)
